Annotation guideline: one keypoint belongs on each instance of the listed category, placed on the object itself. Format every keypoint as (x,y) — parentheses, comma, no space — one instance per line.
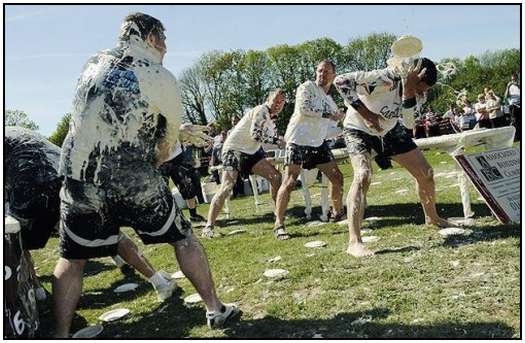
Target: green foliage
(19,118)
(222,85)
(58,136)
(489,70)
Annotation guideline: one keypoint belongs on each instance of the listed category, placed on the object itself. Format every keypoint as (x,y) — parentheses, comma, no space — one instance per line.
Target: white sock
(158,280)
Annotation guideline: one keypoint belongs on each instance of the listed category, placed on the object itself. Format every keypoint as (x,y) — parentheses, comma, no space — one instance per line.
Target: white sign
(496,175)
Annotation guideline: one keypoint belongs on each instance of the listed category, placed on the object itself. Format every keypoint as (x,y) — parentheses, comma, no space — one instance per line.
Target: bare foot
(358,250)
(440,222)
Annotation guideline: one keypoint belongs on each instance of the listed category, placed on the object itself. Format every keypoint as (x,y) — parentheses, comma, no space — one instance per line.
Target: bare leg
(228,182)
(335,176)
(66,292)
(268,171)
(283,195)
(194,264)
(130,253)
(356,202)
(416,164)
(191,203)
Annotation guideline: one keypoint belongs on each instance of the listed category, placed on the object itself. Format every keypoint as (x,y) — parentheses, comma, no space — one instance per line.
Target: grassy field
(418,285)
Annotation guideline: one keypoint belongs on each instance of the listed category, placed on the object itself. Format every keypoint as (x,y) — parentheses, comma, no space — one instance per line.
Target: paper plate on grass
(452,231)
(315,244)
(276,273)
(114,314)
(275,259)
(235,232)
(89,332)
(127,287)
(193,299)
(462,221)
(343,222)
(314,223)
(369,239)
(372,219)
(401,191)
(178,275)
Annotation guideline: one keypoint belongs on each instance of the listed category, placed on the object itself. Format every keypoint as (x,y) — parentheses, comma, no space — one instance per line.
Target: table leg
(253,182)
(324,198)
(465,197)
(306,194)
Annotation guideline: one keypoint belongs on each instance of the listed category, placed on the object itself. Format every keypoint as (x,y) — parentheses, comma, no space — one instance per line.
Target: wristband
(409,103)
(356,104)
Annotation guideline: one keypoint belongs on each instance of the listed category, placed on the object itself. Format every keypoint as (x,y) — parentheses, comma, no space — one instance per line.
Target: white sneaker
(165,291)
(217,319)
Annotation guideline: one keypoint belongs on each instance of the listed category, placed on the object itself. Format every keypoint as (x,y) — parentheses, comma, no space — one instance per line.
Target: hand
(337,116)
(163,153)
(280,143)
(374,122)
(414,76)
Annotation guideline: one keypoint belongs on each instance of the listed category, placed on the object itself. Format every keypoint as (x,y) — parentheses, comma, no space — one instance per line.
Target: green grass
(418,285)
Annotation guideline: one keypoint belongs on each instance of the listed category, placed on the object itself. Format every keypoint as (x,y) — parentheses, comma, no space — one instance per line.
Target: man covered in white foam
(243,153)
(126,116)
(381,104)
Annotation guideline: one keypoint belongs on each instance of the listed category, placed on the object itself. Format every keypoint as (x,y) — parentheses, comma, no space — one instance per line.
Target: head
(490,94)
(481,97)
(276,101)
(224,133)
(486,90)
(234,120)
(429,79)
(144,27)
(325,73)
(513,77)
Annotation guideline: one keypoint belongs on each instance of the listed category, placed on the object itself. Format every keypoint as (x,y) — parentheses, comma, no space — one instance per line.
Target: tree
(193,95)
(58,136)
(19,118)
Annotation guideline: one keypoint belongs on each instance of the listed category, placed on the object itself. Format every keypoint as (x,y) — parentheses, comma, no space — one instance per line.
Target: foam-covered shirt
(308,125)
(254,129)
(380,91)
(126,103)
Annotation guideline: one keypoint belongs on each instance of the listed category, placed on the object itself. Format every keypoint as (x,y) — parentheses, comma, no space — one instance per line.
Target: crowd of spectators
(488,112)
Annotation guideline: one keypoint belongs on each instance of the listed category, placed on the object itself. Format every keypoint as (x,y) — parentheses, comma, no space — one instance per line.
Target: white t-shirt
(480,107)
(307,127)
(514,91)
(251,131)
(494,108)
(379,90)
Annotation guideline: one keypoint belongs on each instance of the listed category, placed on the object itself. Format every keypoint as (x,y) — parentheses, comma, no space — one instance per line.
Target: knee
(427,176)
(363,177)
(338,179)
(276,179)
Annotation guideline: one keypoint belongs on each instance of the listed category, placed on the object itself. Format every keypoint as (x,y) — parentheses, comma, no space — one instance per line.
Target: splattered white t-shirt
(380,91)
(126,103)
(307,126)
(251,131)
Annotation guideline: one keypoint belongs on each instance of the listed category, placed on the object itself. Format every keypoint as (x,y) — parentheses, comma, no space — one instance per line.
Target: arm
(257,130)
(349,84)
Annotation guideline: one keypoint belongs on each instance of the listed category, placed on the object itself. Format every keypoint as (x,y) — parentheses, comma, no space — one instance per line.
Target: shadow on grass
(484,234)
(340,327)
(398,250)
(174,320)
(92,267)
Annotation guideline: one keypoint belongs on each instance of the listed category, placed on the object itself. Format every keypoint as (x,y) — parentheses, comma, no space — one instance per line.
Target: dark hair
(145,23)
(328,61)
(430,76)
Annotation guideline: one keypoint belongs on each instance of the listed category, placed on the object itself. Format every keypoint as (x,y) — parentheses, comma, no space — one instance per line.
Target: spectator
(496,117)
(431,123)
(513,96)
(482,115)
(467,120)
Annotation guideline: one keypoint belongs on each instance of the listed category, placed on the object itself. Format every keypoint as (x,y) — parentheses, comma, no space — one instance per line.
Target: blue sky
(47,45)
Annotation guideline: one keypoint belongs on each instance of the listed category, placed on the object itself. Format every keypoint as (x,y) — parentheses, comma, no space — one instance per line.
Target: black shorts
(233,160)
(37,208)
(91,216)
(308,156)
(183,175)
(396,141)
